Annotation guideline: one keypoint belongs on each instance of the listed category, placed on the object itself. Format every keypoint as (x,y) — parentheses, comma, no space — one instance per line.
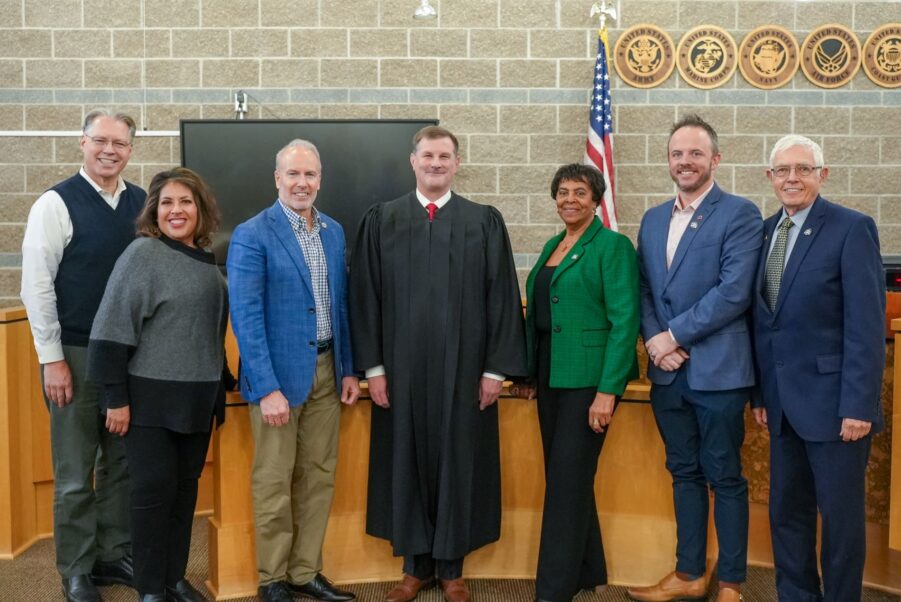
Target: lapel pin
(700,217)
(808,232)
(693,224)
(575,256)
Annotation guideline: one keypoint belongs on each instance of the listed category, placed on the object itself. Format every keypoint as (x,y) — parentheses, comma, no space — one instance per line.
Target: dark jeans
(165,467)
(703,432)
(571,553)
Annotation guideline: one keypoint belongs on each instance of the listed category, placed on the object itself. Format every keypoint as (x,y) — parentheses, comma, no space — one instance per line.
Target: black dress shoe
(118,571)
(321,588)
(152,598)
(275,592)
(80,589)
(183,591)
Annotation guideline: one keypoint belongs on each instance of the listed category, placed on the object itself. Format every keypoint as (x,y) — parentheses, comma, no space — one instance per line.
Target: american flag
(599,147)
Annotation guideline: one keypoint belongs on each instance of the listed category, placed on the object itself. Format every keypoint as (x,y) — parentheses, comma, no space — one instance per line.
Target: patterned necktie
(433,208)
(775,264)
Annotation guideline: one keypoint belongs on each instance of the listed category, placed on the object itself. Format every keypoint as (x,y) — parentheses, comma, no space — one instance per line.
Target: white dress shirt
(440,202)
(47,233)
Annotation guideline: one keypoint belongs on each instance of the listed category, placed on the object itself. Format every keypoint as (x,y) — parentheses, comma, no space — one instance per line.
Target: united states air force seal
(706,56)
(644,56)
(768,57)
(830,56)
(882,56)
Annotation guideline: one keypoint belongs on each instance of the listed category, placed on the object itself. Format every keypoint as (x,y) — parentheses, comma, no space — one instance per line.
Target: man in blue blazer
(819,307)
(697,258)
(288,296)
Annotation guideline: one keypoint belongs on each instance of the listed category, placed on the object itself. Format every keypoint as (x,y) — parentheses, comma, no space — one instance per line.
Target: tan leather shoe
(728,595)
(408,589)
(671,588)
(455,590)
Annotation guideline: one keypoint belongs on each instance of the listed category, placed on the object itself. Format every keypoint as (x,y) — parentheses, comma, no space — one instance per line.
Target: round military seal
(706,57)
(882,56)
(830,56)
(644,56)
(768,57)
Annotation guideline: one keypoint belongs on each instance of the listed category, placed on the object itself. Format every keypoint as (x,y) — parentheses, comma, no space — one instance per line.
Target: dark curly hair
(575,172)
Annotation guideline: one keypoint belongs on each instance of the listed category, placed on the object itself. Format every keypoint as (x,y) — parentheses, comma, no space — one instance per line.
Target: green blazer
(594,312)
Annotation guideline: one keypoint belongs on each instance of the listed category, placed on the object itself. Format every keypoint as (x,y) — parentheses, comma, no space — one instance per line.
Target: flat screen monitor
(363,162)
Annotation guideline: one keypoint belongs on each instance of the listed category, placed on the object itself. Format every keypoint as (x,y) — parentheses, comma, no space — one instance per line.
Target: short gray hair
(792,140)
(96,114)
(298,143)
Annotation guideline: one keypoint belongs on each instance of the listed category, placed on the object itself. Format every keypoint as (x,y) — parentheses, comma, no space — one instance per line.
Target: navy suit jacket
(821,353)
(705,295)
(272,307)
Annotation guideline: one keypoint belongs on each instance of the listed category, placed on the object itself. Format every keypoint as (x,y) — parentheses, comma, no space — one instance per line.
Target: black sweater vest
(99,235)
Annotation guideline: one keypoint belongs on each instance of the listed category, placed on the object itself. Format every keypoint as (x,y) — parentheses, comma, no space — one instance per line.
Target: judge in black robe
(436,304)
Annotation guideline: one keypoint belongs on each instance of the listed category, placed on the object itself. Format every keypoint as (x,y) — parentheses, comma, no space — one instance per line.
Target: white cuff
(672,337)
(52,352)
(375,371)
(494,375)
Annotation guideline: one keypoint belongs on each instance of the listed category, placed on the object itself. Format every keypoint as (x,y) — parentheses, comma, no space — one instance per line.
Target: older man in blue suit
(288,294)
(820,341)
(697,258)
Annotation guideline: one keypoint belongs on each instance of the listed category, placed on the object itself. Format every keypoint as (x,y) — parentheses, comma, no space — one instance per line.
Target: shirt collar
(694,204)
(798,218)
(299,223)
(120,185)
(441,202)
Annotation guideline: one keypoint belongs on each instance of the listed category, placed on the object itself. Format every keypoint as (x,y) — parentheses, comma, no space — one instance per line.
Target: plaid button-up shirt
(314,255)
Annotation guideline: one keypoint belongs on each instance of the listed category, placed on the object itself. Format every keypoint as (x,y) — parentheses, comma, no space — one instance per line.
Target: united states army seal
(768,57)
(644,56)
(830,56)
(882,56)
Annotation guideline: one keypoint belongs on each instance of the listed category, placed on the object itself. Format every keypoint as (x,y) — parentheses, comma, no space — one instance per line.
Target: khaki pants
(293,481)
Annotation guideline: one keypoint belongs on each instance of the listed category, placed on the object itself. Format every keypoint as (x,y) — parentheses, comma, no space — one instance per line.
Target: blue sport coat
(272,308)
(705,295)
(821,353)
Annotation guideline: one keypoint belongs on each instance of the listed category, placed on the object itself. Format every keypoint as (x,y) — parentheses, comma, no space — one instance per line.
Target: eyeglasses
(782,171)
(119,145)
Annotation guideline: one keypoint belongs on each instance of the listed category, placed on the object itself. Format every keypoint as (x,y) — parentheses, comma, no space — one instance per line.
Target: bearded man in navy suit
(819,335)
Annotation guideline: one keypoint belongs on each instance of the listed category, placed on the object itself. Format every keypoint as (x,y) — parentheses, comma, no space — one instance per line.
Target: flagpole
(599,144)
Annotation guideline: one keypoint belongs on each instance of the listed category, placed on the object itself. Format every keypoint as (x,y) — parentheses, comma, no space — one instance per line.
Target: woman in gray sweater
(157,353)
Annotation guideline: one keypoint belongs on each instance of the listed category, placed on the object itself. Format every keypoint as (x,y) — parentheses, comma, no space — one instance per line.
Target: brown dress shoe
(408,589)
(455,590)
(728,595)
(671,588)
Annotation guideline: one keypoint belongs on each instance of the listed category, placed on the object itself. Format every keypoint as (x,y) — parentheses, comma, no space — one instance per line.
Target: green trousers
(91,486)
(293,481)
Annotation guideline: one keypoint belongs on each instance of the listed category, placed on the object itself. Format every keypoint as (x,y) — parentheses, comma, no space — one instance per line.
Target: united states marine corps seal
(706,57)
(830,56)
(644,56)
(768,57)
(882,56)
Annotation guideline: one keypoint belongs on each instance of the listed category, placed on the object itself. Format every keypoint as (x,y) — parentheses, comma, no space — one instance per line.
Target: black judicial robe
(437,304)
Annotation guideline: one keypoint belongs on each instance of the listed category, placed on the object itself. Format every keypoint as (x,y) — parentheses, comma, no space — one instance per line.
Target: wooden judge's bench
(633,488)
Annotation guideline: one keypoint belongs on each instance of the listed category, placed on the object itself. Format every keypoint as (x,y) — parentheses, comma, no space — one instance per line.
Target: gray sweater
(157,340)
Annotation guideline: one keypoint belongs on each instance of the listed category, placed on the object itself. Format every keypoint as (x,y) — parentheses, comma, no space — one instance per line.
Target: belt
(324,346)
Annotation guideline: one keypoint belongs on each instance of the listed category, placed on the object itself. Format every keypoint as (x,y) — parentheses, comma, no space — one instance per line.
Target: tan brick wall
(510,76)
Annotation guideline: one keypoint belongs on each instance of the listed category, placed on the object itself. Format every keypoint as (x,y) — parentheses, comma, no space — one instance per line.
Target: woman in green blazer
(581,329)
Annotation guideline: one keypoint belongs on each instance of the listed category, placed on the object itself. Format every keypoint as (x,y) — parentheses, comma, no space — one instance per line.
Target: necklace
(565,245)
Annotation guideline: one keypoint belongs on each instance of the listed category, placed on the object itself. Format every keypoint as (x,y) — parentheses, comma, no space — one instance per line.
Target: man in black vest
(75,232)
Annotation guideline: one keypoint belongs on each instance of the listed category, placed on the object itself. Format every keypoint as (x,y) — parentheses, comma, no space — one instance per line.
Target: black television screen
(363,162)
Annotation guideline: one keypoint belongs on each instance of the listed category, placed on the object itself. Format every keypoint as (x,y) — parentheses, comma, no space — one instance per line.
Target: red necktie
(432,207)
